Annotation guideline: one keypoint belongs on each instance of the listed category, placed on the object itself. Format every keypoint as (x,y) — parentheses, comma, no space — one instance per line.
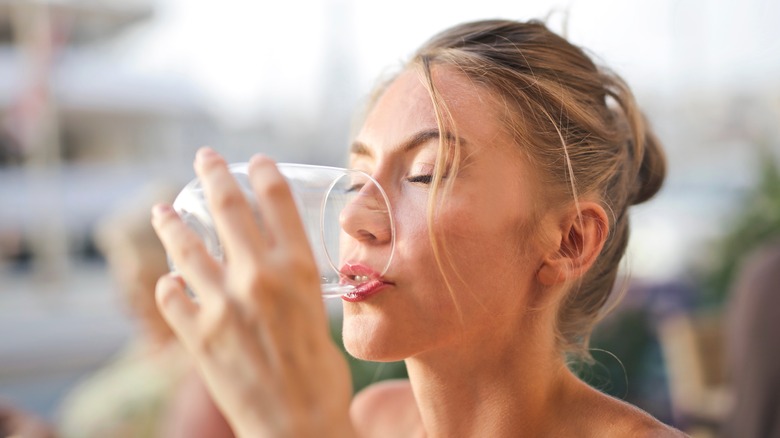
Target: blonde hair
(125,235)
(579,126)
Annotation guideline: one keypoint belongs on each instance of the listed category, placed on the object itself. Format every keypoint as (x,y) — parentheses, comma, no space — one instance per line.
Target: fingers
(176,307)
(234,220)
(188,252)
(276,202)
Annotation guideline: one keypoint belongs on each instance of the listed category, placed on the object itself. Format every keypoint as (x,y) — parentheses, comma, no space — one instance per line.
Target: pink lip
(353,269)
(365,289)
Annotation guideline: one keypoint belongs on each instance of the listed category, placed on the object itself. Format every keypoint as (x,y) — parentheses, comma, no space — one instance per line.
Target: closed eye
(420,179)
(356,187)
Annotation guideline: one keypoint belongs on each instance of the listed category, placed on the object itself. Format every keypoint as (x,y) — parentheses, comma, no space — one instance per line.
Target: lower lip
(364,291)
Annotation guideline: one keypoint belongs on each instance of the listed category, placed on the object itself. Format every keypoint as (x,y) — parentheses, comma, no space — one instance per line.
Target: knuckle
(228,199)
(269,283)
(272,187)
(189,249)
(299,262)
(256,284)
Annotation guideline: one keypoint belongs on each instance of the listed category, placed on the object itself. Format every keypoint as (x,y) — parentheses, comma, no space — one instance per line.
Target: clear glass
(325,197)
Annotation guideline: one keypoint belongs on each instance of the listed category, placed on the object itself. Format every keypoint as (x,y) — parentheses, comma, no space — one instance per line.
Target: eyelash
(420,179)
(416,179)
(355,188)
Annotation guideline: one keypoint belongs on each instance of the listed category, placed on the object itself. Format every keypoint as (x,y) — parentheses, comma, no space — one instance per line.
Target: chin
(373,343)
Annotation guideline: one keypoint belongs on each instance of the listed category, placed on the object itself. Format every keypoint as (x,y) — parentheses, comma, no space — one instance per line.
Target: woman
(509,159)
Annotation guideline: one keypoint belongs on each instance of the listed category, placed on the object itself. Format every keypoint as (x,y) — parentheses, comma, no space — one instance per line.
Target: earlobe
(579,240)
(552,273)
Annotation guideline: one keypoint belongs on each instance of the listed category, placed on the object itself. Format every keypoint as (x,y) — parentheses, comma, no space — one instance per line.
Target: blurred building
(79,127)
(79,130)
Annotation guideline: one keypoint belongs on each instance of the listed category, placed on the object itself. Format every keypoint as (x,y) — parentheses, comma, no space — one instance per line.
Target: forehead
(405,108)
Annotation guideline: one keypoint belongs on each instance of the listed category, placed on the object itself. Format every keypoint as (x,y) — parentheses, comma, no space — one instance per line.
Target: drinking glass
(323,195)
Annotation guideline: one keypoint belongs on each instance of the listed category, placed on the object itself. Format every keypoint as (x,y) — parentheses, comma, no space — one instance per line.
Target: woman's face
(488,257)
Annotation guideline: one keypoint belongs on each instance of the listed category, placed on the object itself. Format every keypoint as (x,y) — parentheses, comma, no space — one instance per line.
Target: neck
(484,388)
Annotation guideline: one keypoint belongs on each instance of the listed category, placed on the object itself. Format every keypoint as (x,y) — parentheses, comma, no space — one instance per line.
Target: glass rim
(342,171)
(345,172)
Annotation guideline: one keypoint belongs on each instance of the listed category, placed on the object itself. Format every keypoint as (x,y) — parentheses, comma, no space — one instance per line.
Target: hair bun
(652,170)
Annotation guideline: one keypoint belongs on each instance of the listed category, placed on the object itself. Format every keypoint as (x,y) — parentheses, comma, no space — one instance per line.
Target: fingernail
(259,159)
(160,210)
(205,153)
(178,278)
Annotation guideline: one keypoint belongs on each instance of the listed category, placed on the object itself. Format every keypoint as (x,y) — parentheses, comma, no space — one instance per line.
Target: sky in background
(246,56)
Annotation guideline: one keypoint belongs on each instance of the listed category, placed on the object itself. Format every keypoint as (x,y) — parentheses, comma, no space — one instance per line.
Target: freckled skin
(481,223)
(482,357)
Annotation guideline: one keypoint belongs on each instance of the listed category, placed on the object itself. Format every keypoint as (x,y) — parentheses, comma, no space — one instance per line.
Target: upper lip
(357,273)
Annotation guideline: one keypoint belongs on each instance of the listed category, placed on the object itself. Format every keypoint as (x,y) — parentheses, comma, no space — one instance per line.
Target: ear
(578,243)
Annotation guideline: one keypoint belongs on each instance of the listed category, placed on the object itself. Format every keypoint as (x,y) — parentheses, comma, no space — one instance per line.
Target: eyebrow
(416,140)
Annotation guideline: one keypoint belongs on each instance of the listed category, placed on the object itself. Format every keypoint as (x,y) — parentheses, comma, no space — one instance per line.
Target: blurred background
(99,98)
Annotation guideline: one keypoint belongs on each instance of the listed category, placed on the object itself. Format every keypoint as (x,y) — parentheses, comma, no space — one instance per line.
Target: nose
(366,217)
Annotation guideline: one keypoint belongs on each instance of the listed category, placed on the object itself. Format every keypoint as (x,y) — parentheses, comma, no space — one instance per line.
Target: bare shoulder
(386,409)
(592,413)
(623,419)
(643,425)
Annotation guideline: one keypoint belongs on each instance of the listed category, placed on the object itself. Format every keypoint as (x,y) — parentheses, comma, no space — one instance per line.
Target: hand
(259,334)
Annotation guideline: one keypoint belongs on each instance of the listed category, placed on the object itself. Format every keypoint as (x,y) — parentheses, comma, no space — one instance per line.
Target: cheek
(479,239)
(486,252)
(411,226)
